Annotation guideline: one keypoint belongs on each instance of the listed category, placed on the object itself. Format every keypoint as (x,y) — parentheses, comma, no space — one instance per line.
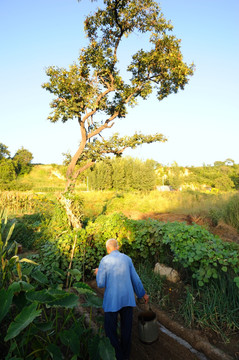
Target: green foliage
(215,177)
(187,247)
(28,229)
(10,263)
(221,177)
(45,324)
(76,203)
(190,247)
(115,145)
(25,202)
(7,171)
(122,174)
(213,307)
(204,260)
(36,311)
(204,254)
(4,152)
(55,251)
(100,177)
(153,283)
(231,212)
(11,168)
(15,185)
(6,301)
(22,320)
(22,161)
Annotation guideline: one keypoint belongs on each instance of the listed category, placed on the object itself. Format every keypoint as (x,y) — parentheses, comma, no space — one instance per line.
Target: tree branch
(100,97)
(104,126)
(83,168)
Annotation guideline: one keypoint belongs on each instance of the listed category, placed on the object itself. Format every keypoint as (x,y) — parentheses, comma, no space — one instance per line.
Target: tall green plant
(9,264)
(215,306)
(231,212)
(43,324)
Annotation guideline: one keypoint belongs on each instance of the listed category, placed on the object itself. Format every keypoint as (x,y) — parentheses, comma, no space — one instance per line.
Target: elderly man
(116,273)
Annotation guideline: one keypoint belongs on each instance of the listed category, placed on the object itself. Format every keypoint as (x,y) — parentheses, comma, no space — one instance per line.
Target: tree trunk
(73,220)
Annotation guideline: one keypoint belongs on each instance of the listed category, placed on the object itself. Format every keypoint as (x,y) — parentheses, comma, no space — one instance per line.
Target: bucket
(148,327)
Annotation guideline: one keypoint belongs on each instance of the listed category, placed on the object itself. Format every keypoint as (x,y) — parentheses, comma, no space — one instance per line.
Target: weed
(231,212)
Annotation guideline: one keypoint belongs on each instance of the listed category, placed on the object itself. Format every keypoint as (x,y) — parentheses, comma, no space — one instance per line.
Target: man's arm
(137,284)
(100,275)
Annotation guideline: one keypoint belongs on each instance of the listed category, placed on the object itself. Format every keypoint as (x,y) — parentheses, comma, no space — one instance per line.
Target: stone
(170,274)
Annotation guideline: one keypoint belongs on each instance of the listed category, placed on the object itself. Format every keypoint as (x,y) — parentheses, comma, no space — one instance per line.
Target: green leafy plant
(43,323)
(231,212)
(189,247)
(214,306)
(10,263)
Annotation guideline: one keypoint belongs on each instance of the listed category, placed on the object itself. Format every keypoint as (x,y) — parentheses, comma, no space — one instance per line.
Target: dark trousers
(122,347)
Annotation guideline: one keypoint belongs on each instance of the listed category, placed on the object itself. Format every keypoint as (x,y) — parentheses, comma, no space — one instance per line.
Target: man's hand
(146,298)
(95,271)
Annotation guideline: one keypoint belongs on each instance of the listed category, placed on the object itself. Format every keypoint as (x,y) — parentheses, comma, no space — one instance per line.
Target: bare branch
(100,97)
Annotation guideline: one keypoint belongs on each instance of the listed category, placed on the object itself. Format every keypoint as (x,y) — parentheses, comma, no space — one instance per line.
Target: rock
(171,274)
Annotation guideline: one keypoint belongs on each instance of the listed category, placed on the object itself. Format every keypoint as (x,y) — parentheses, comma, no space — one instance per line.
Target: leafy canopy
(4,152)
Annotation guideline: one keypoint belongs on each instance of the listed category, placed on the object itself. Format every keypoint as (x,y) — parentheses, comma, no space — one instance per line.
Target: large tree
(93,92)
(22,161)
(4,152)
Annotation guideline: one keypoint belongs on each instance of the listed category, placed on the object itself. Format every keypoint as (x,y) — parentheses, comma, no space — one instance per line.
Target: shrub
(231,212)
(189,247)
(7,171)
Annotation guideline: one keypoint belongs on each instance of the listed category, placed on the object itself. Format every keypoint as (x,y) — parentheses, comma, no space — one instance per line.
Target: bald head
(111,245)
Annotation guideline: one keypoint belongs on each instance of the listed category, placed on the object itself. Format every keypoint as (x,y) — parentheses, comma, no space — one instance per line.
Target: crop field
(42,257)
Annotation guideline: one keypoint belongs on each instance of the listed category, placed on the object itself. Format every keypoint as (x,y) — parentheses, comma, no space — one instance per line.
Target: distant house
(164,188)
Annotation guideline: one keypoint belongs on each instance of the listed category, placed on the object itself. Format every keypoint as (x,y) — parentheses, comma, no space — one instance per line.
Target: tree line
(13,167)
(134,174)
(222,175)
(129,174)
(122,174)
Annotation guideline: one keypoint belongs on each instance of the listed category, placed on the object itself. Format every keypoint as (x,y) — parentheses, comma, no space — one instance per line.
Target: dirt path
(165,348)
(162,349)
(174,342)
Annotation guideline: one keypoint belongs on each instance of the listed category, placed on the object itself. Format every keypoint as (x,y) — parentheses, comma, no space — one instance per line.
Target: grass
(230,212)
(214,206)
(49,180)
(43,176)
(153,283)
(215,306)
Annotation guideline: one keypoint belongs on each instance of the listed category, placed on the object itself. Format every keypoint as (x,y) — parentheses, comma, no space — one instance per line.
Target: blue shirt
(118,276)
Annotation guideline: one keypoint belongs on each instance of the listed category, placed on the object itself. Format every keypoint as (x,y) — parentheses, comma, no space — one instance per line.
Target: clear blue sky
(201,122)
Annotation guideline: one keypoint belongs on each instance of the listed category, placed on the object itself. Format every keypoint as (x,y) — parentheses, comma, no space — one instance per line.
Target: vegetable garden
(39,317)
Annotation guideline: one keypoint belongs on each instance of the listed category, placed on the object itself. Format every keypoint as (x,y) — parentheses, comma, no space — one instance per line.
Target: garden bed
(196,344)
